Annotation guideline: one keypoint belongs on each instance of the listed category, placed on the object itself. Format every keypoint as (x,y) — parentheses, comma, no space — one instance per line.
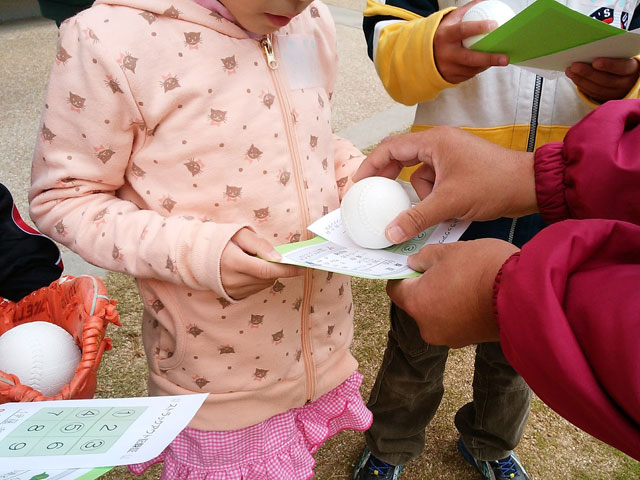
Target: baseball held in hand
(42,355)
(369,206)
(486,10)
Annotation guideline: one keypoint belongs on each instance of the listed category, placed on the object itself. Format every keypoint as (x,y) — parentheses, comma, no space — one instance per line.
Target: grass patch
(551,447)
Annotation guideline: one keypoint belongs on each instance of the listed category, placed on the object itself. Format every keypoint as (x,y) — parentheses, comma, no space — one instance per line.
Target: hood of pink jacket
(187,10)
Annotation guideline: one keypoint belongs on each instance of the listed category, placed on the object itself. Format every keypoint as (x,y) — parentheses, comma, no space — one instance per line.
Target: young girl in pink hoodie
(180,140)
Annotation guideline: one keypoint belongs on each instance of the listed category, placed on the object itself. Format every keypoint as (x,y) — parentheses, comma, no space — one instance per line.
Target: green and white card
(333,251)
(551,36)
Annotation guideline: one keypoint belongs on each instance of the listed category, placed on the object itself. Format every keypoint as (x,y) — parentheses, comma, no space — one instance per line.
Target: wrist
(524,200)
(496,253)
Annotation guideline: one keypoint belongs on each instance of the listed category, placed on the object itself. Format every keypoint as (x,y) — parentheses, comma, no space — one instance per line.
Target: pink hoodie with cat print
(167,129)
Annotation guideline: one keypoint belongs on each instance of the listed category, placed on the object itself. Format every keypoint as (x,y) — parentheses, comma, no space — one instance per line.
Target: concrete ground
(363,112)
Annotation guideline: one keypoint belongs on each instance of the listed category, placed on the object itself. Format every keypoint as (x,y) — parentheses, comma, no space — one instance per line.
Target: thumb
(283,270)
(428,256)
(252,244)
(401,292)
(432,210)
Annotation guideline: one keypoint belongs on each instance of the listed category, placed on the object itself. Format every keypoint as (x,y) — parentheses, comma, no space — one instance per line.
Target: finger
(592,78)
(282,270)
(461,73)
(401,291)
(393,286)
(252,244)
(462,30)
(434,209)
(262,269)
(458,73)
(428,256)
(617,66)
(471,58)
(499,60)
(390,156)
(592,89)
(369,169)
(422,180)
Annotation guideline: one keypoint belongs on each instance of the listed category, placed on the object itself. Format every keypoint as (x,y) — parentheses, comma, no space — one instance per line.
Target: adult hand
(462,176)
(243,273)
(606,78)
(455,62)
(452,301)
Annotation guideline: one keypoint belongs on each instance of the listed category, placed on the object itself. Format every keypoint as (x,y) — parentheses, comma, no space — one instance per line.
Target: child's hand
(243,273)
(606,78)
(455,62)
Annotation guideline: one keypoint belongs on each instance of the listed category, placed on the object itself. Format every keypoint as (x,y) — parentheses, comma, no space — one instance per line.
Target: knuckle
(289,271)
(264,271)
(263,245)
(415,219)
(386,140)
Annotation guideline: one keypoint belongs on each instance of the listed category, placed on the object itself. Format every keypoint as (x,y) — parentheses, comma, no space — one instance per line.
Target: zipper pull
(268,52)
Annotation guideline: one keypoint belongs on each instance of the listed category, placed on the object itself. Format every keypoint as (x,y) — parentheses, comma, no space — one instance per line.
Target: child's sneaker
(508,468)
(370,467)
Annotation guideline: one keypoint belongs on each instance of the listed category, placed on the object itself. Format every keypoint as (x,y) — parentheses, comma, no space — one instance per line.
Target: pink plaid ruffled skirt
(280,448)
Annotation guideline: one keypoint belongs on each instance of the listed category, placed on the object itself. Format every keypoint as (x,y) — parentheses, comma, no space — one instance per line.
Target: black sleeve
(424,8)
(60,10)
(28,259)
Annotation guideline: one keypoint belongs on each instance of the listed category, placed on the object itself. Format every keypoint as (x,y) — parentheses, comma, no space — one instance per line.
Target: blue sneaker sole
(466,455)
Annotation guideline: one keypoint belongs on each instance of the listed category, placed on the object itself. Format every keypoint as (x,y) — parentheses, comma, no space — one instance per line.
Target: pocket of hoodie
(169,341)
(299,59)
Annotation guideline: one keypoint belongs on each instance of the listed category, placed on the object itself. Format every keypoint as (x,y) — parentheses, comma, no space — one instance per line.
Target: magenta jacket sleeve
(567,305)
(595,173)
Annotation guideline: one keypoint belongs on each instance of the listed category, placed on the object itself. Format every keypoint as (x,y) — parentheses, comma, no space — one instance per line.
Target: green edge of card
(95,473)
(288,247)
(543,28)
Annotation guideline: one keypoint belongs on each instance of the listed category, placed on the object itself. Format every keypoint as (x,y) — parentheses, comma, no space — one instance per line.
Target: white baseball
(369,206)
(486,10)
(42,355)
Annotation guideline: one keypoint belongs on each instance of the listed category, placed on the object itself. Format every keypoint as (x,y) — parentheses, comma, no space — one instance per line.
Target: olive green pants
(409,388)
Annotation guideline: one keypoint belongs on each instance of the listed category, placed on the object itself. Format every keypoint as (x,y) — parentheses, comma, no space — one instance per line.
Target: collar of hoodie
(216,6)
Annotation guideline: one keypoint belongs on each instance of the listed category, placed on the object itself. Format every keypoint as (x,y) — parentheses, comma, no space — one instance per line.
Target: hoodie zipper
(535,113)
(533,131)
(269,53)
(267,46)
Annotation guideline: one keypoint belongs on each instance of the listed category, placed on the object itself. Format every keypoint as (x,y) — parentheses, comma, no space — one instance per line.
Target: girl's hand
(606,78)
(455,62)
(243,273)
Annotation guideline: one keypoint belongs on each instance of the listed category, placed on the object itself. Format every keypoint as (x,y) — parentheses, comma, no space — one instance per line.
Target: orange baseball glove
(81,306)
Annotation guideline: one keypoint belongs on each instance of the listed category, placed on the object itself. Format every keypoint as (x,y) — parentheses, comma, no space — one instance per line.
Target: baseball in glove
(79,305)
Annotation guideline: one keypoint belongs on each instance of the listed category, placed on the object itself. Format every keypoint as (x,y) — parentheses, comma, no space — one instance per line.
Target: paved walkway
(363,112)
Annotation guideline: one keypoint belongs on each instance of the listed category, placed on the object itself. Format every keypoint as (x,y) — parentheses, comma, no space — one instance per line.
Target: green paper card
(48,474)
(547,28)
(333,251)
